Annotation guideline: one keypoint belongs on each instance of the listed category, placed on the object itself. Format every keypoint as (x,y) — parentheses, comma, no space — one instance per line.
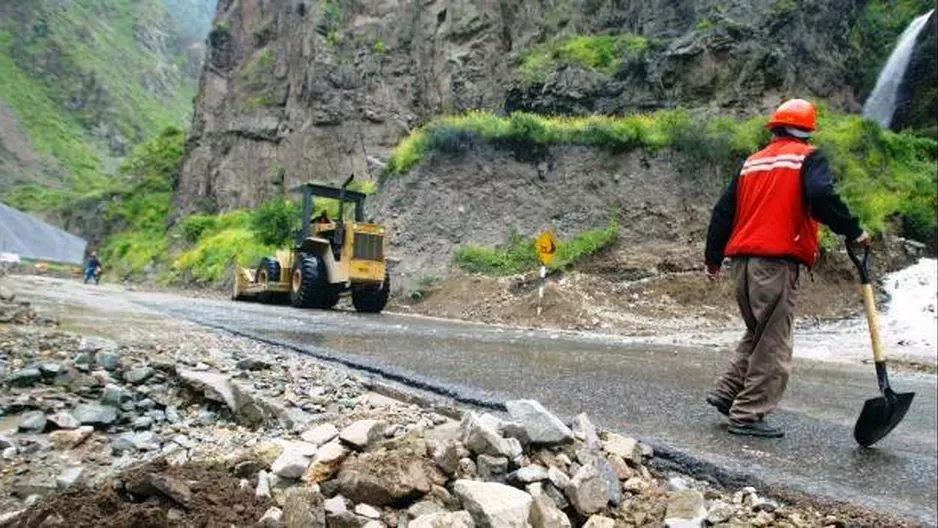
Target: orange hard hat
(795,112)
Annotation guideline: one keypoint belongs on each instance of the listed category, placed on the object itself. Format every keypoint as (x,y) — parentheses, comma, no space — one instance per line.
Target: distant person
(767,222)
(92,267)
(323,218)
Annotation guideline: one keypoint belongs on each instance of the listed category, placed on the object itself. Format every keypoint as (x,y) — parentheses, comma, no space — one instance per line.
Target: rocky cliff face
(297,90)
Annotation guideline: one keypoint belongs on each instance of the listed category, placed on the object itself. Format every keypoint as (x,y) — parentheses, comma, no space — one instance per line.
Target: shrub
(129,253)
(599,53)
(142,205)
(274,221)
(213,256)
(194,226)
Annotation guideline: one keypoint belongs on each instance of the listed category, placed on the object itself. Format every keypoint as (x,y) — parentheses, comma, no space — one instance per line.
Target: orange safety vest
(772,216)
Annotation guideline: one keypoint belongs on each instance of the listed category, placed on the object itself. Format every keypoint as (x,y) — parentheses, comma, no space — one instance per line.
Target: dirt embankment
(644,290)
(481,194)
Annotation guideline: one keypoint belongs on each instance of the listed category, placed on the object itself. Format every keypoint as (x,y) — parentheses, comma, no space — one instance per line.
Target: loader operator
(767,222)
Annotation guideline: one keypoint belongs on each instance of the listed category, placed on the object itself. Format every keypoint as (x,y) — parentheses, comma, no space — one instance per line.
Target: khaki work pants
(766,290)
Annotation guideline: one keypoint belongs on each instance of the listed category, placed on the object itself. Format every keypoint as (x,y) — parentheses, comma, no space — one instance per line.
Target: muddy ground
(154,495)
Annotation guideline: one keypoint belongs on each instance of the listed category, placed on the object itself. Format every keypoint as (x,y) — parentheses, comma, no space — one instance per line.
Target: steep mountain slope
(298,90)
(81,82)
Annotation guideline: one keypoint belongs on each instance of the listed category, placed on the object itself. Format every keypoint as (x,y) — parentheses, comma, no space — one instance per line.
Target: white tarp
(31,238)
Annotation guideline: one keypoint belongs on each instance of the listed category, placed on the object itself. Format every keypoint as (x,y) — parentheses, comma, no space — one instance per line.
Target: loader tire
(372,298)
(308,288)
(269,271)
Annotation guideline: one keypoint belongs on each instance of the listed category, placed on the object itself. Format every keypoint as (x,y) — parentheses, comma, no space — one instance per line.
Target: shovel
(879,415)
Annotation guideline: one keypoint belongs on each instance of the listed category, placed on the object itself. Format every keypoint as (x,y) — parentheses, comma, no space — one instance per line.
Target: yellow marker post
(546,246)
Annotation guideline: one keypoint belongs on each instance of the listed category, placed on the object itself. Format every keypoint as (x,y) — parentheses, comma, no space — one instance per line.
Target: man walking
(92,268)
(767,222)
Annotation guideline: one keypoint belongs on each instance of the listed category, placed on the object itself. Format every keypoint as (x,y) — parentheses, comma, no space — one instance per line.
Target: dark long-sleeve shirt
(817,185)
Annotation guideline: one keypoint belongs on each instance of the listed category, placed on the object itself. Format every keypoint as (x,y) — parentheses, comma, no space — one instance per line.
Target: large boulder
(539,424)
(494,505)
(482,439)
(544,511)
(303,508)
(686,509)
(95,415)
(587,491)
(384,477)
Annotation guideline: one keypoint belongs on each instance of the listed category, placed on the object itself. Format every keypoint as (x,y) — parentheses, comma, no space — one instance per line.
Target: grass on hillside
(880,173)
(518,255)
(142,205)
(90,52)
(51,132)
(600,53)
(226,241)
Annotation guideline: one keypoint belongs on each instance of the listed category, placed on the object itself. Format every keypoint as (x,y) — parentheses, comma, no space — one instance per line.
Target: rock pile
(19,312)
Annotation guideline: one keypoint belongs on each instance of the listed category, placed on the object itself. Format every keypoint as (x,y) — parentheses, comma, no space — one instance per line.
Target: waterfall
(881,104)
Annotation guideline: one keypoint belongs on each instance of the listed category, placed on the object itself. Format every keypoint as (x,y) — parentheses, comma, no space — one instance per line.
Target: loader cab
(324,226)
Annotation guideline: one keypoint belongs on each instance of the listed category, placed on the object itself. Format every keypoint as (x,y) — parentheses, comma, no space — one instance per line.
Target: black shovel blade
(880,416)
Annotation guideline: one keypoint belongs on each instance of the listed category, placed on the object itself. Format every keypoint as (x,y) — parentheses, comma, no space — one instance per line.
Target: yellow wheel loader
(330,258)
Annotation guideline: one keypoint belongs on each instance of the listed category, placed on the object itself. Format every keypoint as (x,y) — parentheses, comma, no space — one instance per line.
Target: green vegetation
(714,140)
(518,255)
(600,53)
(51,132)
(876,32)
(223,242)
(274,222)
(785,7)
(84,88)
(331,20)
(881,174)
(220,33)
(142,205)
(704,24)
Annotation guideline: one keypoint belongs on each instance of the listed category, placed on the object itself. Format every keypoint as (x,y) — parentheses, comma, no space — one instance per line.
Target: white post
(540,289)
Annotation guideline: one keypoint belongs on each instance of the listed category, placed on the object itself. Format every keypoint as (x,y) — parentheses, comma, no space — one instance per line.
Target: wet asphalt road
(652,392)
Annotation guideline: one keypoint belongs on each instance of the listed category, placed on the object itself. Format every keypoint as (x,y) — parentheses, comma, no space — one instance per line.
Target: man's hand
(863,240)
(713,272)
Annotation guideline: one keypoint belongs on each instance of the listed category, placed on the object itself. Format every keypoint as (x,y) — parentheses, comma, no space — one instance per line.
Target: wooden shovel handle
(872,320)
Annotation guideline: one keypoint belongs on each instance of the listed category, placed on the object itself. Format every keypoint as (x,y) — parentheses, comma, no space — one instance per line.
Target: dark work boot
(722,404)
(760,429)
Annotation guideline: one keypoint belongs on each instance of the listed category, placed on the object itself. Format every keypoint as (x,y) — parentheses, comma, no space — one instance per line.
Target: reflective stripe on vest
(784,161)
(772,218)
